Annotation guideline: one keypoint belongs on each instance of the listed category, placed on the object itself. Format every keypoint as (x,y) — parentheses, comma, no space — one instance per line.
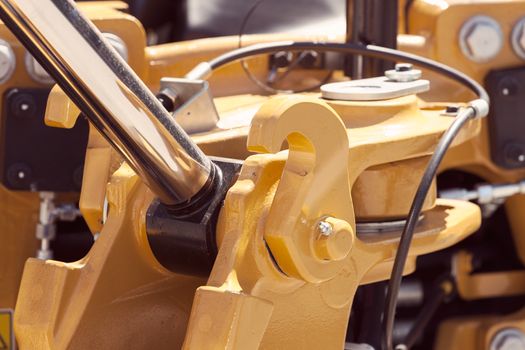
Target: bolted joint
(335,239)
(45,231)
(403,72)
(325,228)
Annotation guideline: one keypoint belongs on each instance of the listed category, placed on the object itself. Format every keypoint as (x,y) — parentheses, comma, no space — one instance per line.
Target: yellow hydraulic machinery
(226,217)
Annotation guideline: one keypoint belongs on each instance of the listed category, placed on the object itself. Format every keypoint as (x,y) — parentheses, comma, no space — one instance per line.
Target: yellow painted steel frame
(477,332)
(297,296)
(277,282)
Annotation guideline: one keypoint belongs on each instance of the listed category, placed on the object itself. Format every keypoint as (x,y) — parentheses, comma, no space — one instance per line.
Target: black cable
(350,48)
(415,210)
(253,78)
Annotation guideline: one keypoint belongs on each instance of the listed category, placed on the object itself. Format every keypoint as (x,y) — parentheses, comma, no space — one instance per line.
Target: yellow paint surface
(6,330)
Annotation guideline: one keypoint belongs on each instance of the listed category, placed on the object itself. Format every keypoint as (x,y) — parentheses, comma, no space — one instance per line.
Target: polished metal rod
(112,96)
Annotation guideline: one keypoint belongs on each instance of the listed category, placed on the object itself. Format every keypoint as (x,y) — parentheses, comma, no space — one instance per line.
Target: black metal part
(166,101)
(33,156)
(371,22)
(438,295)
(185,243)
(507,118)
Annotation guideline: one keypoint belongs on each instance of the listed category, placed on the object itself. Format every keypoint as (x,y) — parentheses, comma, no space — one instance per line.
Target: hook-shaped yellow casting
(310,226)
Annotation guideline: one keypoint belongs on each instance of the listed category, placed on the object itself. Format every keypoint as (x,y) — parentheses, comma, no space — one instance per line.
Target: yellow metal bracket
(274,256)
(473,286)
(314,188)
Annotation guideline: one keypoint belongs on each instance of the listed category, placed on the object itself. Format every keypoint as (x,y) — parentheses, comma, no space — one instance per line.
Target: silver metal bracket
(372,89)
(195,111)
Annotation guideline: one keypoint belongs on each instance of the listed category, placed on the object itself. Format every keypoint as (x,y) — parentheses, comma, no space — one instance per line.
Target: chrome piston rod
(113,97)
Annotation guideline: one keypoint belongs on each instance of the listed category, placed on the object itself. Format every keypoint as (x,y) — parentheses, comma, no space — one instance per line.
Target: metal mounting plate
(197,112)
(372,89)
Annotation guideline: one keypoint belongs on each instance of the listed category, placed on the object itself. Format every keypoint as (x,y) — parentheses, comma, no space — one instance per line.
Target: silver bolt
(508,339)
(325,228)
(480,38)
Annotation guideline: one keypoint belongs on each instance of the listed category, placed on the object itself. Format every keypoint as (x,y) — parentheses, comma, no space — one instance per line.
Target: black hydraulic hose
(204,69)
(415,211)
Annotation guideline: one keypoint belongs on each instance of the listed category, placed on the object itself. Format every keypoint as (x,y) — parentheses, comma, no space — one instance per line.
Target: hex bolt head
(508,339)
(481,39)
(518,38)
(324,228)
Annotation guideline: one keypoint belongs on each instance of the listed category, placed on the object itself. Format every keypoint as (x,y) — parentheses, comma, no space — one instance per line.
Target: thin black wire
(415,210)
(252,77)
(350,48)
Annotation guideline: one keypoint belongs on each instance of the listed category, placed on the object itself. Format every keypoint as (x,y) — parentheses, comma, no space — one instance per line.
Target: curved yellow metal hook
(314,186)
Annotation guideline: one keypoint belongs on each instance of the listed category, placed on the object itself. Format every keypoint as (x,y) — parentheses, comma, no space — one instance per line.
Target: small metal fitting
(403,72)
(67,212)
(46,227)
(480,39)
(481,107)
(508,339)
(45,231)
(325,228)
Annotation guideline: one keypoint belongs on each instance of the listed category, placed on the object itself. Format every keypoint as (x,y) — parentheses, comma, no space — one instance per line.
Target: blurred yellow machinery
(305,197)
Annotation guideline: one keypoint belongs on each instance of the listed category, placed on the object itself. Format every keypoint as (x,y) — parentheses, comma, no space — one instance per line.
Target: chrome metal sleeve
(112,96)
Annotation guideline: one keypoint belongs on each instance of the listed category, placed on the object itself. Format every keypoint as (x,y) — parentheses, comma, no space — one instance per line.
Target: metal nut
(403,72)
(480,39)
(45,231)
